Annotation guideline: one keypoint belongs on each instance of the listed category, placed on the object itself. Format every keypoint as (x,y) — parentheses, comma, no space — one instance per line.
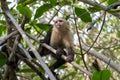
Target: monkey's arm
(43,51)
(68,44)
(47,38)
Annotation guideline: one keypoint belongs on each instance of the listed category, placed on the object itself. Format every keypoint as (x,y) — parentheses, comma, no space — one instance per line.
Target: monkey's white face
(59,23)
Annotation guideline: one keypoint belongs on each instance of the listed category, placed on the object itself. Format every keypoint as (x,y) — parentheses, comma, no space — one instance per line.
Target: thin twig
(102,7)
(3,40)
(98,34)
(79,40)
(54,14)
(25,51)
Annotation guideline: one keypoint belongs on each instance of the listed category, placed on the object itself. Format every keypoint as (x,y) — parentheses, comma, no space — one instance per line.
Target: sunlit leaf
(25,10)
(112,1)
(105,74)
(101,75)
(21,1)
(83,14)
(42,9)
(96,75)
(73,1)
(53,2)
(45,27)
(118,34)
(103,0)
(70,74)
(2,29)
(26,2)
(36,78)
(95,8)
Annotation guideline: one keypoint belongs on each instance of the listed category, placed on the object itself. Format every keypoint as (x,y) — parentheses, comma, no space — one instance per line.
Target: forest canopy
(96,35)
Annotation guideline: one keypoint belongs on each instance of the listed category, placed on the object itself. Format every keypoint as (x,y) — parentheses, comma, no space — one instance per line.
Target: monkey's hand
(70,58)
(60,52)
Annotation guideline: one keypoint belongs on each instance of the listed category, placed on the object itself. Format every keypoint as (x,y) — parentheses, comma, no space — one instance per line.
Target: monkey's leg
(59,61)
(56,65)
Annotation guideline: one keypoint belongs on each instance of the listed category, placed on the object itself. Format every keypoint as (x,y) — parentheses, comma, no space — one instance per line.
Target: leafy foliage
(95,8)
(42,9)
(83,14)
(3,59)
(112,1)
(45,27)
(101,75)
(24,10)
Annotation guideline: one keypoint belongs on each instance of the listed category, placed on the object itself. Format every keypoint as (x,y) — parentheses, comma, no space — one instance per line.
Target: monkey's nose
(58,23)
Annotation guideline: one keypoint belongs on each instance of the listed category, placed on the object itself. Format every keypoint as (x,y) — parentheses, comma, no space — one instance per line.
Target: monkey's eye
(60,20)
(55,21)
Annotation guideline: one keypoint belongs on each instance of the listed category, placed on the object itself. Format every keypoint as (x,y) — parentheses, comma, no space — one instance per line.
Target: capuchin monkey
(60,38)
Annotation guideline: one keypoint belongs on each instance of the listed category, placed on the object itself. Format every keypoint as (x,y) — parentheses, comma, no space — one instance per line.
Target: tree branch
(64,57)
(32,66)
(3,40)
(93,3)
(44,66)
(102,57)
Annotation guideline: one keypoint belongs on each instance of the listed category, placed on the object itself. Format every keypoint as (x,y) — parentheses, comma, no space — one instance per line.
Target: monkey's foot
(69,58)
(60,52)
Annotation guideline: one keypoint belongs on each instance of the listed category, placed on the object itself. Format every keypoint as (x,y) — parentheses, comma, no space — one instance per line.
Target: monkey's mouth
(58,26)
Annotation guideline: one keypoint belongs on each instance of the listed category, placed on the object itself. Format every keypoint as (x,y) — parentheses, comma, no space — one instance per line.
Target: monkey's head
(61,23)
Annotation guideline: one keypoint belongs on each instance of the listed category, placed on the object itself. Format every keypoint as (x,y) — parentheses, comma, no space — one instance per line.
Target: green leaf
(2,29)
(73,1)
(26,2)
(118,34)
(70,74)
(103,0)
(21,1)
(45,27)
(28,29)
(37,78)
(95,8)
(78,60)
(3,22)
(96,75)
(25,10)
(53,2)
(112,1)
(101,75)
(83,14)
(105,74)
(42,9)
(26,70)
(3,59)
(65,2)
